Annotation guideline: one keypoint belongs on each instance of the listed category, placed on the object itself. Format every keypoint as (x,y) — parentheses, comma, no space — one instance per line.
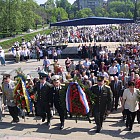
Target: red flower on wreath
(77,106)
(19,96)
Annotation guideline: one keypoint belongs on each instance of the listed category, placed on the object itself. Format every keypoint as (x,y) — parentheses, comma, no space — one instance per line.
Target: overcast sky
(43,1)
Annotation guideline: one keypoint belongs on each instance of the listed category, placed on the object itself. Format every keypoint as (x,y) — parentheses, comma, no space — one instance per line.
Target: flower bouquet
(21,95)
(77,99)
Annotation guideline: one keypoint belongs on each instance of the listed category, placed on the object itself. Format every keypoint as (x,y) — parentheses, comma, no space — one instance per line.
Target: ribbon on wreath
(74,99)
(22,97)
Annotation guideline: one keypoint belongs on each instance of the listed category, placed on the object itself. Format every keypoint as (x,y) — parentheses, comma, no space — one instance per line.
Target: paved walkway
(34,31)
(113,128)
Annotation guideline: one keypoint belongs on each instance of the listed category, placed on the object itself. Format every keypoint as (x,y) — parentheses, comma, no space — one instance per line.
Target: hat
(5,76)
(28,77)
(85,77)
(42,74)
(100,78)
(55,78)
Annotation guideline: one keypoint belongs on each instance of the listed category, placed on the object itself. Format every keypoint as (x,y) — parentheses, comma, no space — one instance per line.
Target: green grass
(9,43)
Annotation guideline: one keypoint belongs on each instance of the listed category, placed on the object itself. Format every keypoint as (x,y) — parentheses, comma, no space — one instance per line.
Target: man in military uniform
(55,98)
(103,101)
(42,90)
(8,90)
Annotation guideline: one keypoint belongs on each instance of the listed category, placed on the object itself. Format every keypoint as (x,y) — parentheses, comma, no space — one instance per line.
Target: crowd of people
(114,78)
(117,75)
(108,33)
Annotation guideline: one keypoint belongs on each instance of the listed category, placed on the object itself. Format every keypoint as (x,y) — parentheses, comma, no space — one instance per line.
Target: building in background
(92,4)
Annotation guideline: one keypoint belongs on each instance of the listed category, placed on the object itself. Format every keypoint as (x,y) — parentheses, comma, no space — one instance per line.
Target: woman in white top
(130,103)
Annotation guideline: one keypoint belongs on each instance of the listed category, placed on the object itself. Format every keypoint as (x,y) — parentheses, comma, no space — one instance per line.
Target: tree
(120,7)
(121,15)
(50,4)
(114,14)
(129,14)
(86,12)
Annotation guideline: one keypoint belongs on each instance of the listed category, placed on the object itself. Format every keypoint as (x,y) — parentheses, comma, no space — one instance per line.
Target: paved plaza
(34,129)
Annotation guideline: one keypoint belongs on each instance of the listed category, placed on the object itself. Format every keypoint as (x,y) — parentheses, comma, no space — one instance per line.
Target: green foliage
(21,15)
(118,8)
(18,15)
(86,12)
(50,4)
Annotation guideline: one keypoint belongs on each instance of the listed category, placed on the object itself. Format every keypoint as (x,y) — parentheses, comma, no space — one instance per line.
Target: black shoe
(61,126)
(126,125)
(48,124)
(130,129)
(98,129)
(43,119)
(112,110)
(14,121)
(23,117)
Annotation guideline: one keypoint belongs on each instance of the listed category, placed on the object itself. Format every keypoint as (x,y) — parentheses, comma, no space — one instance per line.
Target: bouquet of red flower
(31,93)
(19,95)
(76,100)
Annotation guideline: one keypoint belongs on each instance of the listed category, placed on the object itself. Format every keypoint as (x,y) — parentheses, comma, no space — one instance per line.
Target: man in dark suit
(55,98)
(116,87)
(103,101)
(43,97)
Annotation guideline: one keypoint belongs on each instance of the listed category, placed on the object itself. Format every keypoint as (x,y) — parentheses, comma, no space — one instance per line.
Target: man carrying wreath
(103,101)
(8,87)
(55,98)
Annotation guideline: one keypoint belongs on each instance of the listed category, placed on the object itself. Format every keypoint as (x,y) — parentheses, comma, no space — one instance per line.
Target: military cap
(28,77)
(85,77)
(55,78)
(100,78)
(5,76)
(42,74)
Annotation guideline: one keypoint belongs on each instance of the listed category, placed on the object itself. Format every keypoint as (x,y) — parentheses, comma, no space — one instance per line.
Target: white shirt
(87,64)
(2,53)
(131,102)
(112,70)
(59,52)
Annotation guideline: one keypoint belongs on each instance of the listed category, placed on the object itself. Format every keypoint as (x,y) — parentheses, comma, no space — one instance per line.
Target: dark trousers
(26,58)
(124,113)
(60,111)
(38,57)
(138,116)
(115,101)
(130,118)
(99,117)
(14,112)
(42,109)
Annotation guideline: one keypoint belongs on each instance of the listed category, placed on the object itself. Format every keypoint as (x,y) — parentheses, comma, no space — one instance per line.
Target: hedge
(9,43)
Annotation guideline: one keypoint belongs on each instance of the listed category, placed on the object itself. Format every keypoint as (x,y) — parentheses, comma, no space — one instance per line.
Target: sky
(43,1)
